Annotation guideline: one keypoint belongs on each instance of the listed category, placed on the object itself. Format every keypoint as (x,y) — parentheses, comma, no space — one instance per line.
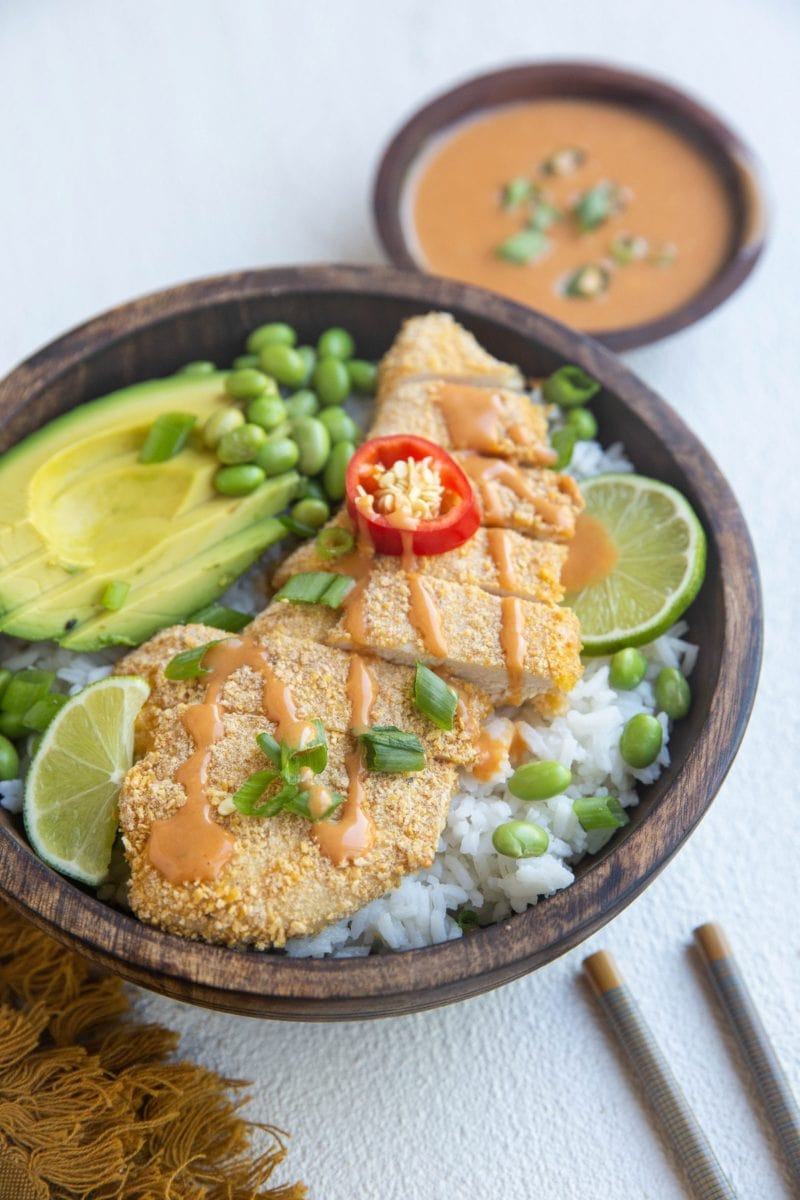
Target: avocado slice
(79,511)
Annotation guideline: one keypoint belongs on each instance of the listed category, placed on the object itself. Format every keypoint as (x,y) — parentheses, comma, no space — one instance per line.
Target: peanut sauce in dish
(458,211)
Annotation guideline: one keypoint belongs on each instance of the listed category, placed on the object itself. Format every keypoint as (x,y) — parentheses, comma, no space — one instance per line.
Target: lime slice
(70,806)
(638,561)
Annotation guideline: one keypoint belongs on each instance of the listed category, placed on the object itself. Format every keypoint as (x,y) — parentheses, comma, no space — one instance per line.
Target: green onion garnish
(544,215)
(166,437)
(588,282)
(564,161)
(600,812)
(517,191)
(25,688)
(434,699)
(467,920)
(523,247)
(229,619)
(334,542)
(40,714)
(298,528)
(391,751)
(626,248)
(246,798)
(313,757)
(114,595)
(569,386)
(563,442)
(300,806)
(189,663)
(596,205)
(316,587)
(270,747)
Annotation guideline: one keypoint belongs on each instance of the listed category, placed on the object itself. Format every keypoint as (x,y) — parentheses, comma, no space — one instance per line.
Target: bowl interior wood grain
(720,146)
(209,318)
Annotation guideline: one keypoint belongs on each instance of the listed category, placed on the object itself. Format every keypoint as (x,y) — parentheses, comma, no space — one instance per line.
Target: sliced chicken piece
(458,416)
(436,346)
(317,677)
(498,560)
(539,503)
(277,883)
(512,649)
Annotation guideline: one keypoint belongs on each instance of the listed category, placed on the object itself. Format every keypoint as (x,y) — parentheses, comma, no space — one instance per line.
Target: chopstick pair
(704,1173)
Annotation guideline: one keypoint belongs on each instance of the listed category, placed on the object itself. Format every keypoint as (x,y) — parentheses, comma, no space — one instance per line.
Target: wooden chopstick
(740,1011)
(705,1175)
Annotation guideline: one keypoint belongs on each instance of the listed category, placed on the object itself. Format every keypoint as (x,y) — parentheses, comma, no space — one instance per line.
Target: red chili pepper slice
(458,516)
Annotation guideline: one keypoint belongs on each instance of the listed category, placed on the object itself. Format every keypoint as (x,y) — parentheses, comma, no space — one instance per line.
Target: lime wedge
(638,561)
(71,793)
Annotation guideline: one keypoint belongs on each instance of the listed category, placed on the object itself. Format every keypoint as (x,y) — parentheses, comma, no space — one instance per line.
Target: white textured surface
(149,143)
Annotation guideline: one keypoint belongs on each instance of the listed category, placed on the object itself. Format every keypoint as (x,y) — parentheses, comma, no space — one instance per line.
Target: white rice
(467,872)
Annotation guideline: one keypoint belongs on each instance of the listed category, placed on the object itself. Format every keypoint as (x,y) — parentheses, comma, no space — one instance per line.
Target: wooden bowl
(208,318)
(588,81)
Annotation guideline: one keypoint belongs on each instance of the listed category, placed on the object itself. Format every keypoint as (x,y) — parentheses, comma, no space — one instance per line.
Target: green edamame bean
(641,741)
(283,363)
(5,679)
(309,357)
(241,445)
(302,404)
(246,383)
(520,839)
(539,780)
(9,759)
(583,422)
(12,725)
(267,411)
(339,424)
(278,456)
(331,381)
(245,360)
(363,376)
(627,669)
(275,333)
(201,367)
(223,421)
(336,469)
(238,480)
(311,512)
(314,443)
(673,694)
(336,343)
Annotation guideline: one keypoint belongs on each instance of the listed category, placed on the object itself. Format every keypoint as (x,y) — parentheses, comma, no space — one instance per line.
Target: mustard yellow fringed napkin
(93,1107)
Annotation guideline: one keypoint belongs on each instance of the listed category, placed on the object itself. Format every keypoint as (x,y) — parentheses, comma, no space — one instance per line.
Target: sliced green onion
(229,619)
(544,215)
(600,812)
(300,806)
(25,688)
(467,920)
(316,587)
(523,247)
(569,386)
(434,699)
(189,663)
(391,751)
(246,798)
(313,757)
(596,205)
(166,437)
(588,282)
(40,714)
(517,191)
(298,528)
(625,248)
(563,442)
(270,747)
(334,542)
(564,161)
(114,595)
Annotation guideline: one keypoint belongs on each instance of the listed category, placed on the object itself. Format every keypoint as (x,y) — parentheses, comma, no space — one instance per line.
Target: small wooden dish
(588,81)
(209,318)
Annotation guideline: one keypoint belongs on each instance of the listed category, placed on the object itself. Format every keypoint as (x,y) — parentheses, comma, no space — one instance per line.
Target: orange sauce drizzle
(489,474)
(190,844)
(425,617)
(473,416)
(592,554)
(512,640)
(499,543)
(361,692)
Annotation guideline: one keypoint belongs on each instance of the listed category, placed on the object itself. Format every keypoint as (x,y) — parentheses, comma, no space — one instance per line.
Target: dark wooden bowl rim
(309,989)
(589,81)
